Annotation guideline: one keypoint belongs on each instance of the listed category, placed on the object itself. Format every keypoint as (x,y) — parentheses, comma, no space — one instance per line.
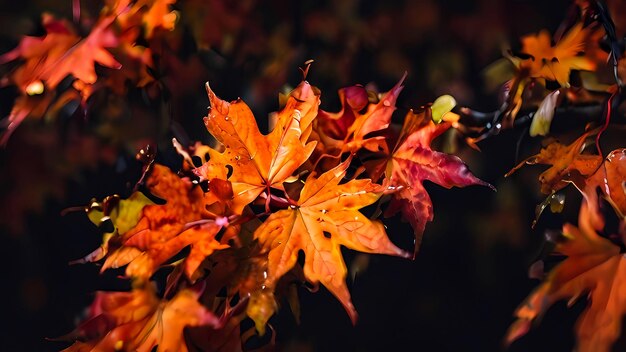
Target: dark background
(471,272)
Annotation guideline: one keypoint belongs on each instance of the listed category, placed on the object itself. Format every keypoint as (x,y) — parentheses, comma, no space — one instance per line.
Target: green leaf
(124,215)
(441,106)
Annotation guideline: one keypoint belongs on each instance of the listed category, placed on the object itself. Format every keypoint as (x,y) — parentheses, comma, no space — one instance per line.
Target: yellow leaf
(441,106)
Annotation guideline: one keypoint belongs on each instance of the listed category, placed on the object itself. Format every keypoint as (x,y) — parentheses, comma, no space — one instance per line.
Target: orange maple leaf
(555,62)
(564,161)
(411,162)
(61,53)
(164,230)
(258,161)
(159,15)
(594,267)
(48,60)
(609,179)
(324,218)
(140,321)
(152,14)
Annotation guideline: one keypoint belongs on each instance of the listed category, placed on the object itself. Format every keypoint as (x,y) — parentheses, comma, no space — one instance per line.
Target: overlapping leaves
(324,218)
(555,62)
(595,267)
(411,162)
(595,263)
(140,321)
(259,162)
(161,231)
(307,207)
(42,63)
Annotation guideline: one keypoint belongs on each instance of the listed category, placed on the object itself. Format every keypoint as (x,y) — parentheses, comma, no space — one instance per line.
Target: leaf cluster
(259,215)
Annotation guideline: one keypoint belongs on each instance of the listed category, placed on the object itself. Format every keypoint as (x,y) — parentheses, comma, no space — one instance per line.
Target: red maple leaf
(410,163)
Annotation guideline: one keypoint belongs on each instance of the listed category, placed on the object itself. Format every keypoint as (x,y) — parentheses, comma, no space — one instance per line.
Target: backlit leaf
(140,321)
(564,161)
(610,180)
(258,161)
(325,217)
(348,129)
(164,230)
(412,162)
(540,126)
(594,267)
(555,62)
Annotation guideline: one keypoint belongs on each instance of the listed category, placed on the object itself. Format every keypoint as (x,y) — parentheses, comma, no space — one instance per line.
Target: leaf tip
(518,329)
(354,316)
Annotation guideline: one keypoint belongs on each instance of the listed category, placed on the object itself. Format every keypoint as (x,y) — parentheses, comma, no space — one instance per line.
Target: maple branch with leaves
(538,62)
(565,117)
(241,224)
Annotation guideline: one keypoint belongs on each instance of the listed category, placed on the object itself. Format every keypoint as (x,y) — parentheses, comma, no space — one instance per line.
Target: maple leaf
(159,15)
(555,62)
(348,129)
(164,230)
(410,163)
(140,321)
(564,161)
(258,161)
(242,272)
(61,53)
(23,107)
(51,58)
(325,217)
(594,267)
(152,14)
(609,179)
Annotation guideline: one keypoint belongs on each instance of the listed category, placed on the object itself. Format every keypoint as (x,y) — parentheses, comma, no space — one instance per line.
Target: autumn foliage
(233,230)
(260,200)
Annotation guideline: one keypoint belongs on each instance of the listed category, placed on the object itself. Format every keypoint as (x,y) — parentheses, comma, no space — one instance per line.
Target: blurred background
(472,269)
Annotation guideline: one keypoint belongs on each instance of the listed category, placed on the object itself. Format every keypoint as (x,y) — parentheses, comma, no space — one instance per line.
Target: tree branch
(565,117)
